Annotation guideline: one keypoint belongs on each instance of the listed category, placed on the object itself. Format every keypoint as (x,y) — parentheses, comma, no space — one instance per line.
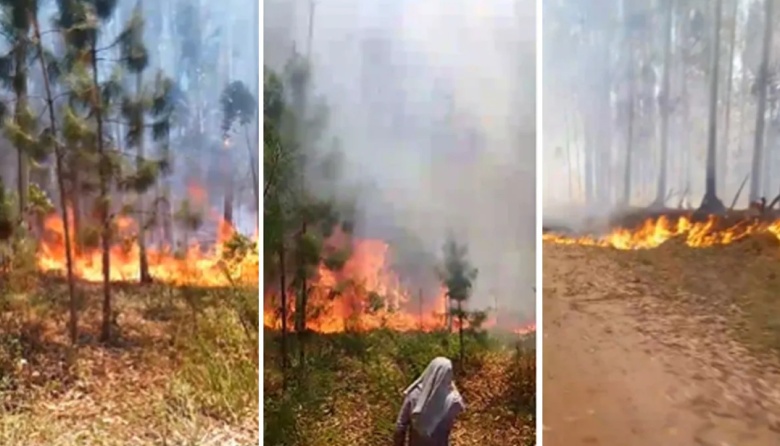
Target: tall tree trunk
(283,292)
(630,130)
(227,214)
(711,203)
(104,204)
(253,170)
(723,160)
(763,74)
(660,193)
(569,166)
(143,260)
(460,330)
(20,89)
(72,298)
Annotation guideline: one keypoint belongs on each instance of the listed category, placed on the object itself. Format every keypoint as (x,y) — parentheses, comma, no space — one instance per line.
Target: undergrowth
(350,390)
(181,369)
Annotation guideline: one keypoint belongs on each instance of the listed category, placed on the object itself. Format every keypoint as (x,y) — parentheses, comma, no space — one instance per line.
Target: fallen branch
(773,202)
(739,191)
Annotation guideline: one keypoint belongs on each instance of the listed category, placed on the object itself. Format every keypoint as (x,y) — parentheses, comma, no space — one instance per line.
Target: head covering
(437,396)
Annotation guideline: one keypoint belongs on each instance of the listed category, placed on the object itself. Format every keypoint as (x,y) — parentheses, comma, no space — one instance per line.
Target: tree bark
(104,204)
(763,74)
(660,193)
(72,298)
(20,89)
(711,203)
(143,260)
(724,152)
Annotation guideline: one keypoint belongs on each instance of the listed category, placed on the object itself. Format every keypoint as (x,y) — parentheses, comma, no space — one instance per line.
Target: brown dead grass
(353,387)
(716,307)
(128,393)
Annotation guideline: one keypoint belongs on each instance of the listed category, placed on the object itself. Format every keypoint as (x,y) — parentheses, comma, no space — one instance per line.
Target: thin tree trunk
(283,292)
(460,330)
(763,74)
(143,260)
(724,151)
(255,177)
(660,193)
(104,204)
(711,203)
(72,298)
(20,89)
(629,130)
(568,158)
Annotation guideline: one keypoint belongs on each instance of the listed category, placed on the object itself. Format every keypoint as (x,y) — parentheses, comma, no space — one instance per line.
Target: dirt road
(627,361)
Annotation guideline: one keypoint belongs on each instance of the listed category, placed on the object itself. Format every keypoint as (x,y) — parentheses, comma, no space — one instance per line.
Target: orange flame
(195,266)
(365,294)
(654,232)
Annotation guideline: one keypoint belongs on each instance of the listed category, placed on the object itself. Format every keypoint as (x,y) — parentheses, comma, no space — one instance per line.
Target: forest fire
(654,232)
(366,294)
(196,266)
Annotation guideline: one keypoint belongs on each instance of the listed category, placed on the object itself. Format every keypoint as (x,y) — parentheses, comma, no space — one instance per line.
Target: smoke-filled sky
(433,103)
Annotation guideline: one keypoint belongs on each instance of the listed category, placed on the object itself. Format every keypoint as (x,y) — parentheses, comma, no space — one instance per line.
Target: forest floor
(671,345)
(352,388)
(182,368)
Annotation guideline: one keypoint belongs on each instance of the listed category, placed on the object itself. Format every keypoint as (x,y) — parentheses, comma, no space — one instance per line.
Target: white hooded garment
(437,397)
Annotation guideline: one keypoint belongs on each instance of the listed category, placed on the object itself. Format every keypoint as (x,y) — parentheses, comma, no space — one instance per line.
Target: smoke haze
(433,104)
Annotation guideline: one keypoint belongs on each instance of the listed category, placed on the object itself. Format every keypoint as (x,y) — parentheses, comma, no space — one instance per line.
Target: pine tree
(458,277)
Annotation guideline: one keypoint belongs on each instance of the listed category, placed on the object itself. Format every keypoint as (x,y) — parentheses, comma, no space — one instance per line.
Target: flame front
(654,232)
(366,294)
(196,266)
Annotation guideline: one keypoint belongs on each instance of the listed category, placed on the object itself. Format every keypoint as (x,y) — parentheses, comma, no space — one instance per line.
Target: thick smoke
(433,104)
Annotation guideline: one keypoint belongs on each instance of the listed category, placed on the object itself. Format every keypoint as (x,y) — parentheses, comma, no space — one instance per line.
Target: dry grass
(351,391)
(168,378)
(739,281)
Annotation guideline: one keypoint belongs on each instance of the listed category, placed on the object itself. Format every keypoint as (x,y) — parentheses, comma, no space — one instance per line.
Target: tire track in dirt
(624,367)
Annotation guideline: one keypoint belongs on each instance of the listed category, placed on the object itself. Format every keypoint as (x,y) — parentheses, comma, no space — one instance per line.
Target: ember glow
(197,266)
(654,232)
(366,295)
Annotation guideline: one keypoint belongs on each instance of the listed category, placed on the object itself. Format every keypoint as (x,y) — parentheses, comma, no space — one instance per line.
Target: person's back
(430,408)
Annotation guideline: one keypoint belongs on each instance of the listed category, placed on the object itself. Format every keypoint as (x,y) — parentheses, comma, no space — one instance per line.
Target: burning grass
(367,294)
(350,393)
(656,230)
(182,370)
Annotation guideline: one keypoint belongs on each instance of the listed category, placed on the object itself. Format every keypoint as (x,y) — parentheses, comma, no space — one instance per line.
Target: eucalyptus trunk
(660,193)
(763,74)
(711,203)
(724,146)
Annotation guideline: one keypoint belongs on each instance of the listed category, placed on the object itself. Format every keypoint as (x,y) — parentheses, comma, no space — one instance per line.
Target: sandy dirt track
(627,364)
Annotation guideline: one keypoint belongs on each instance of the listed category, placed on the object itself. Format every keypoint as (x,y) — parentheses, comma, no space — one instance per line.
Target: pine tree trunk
(143,260)
(72,298)
(104,205)
(283,292)
(20,89)
(460,330)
